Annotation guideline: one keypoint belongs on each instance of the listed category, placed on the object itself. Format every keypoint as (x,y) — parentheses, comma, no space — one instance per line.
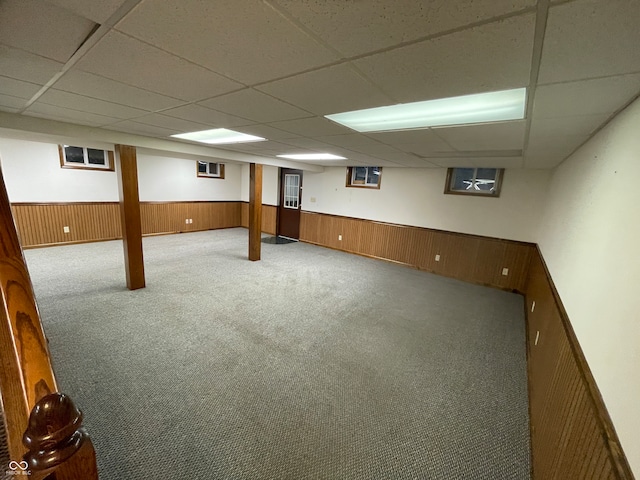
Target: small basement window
(210,169)
(483,182)
(364,177)
(85,157)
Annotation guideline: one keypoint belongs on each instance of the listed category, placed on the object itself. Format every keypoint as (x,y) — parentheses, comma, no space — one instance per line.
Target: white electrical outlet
(340,237)
(65,229)
(505,271)
(537,337)
(191,220)
(533,306)
(437,258)
(186,220)
(312,199)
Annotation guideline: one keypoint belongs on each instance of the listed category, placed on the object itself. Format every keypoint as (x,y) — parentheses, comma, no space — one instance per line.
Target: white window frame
(291,192)
(219,173)
(472,185)
(108,159)
(369,173)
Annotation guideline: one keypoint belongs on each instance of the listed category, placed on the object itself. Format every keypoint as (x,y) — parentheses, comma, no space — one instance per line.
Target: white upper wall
(270,194)
(32,173)
(166,179)
(414,196)
(589,237)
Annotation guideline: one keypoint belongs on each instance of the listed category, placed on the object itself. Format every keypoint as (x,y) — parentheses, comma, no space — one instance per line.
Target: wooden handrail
(26,374)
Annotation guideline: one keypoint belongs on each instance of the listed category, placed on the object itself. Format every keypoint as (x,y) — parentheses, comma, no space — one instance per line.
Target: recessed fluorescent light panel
(219,136)
(478,108)
(312,156)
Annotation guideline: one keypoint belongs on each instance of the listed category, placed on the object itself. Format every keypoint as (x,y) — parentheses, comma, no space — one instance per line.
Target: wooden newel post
(57,442)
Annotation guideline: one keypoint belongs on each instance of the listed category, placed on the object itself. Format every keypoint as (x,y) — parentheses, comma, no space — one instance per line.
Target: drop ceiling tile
(312,127)
(329,90)
(408,160)
(348,140)
(354,28)
(256,106)
(488,136)
(585,97)
(309,143)
(546,157)
(491,57)
(214,118)
(488,162)
(172,123)
(423,137)
(41,28)
(90,85)
(130,126)
(266,131)
(97,10)
(11,103)
(591,38)
(125,59)
(7,109)
(68,115)
(583,125)
(378,149)
(26,66)
(88,104)
(242,39)
(18,88)
(557,141)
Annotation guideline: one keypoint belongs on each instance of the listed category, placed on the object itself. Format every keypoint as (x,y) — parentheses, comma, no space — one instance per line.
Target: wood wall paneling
(269,216)
(466,257)
(571,433)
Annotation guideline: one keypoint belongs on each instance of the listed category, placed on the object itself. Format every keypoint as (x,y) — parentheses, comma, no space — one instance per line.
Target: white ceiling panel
(354,28)
(243,39)
(51,32)
(88,104)
(556,141)
(488,136)
(213,118)
(586,97)
(256,106)
(487,162)
(102,88)
(17,88)
(543,157)
(172,123)
(130,126)
(26,66)
(10,103)
(408,160)
(329,90)
(68,115)
(377,150)
(97,10)
(492,57)
(308,143)
(125,59)
(266,131)
(425,138)
(582,126)
(348,141)
(591,38)
(309,127)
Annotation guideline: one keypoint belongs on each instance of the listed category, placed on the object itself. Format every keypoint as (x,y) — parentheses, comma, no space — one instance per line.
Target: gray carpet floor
(310,364)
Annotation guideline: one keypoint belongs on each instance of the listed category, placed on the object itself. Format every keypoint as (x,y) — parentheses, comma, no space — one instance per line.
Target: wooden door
(290,203)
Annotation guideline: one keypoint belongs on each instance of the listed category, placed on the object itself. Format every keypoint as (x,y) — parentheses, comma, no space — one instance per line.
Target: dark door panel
(290,203)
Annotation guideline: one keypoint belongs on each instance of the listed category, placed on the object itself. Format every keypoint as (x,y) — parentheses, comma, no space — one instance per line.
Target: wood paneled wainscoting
(571,432)
(471,258)
(42,224)
(269,215)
